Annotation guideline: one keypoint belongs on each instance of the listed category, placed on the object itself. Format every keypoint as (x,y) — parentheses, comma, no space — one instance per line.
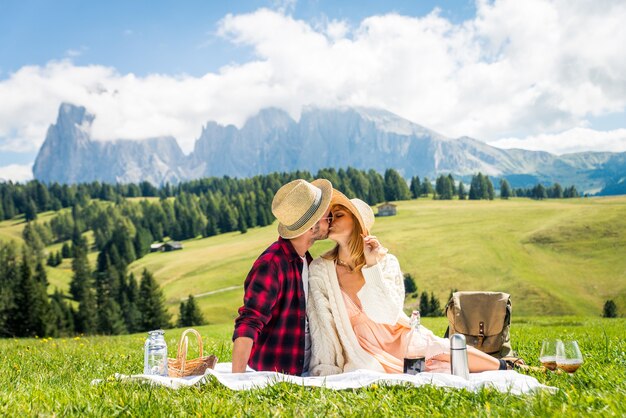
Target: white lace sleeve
(382,296)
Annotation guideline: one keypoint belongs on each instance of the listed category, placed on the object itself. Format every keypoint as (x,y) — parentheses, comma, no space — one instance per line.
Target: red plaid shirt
(274,310)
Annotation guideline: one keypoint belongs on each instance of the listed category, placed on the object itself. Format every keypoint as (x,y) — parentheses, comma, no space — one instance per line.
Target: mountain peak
(267,119)
(69,113)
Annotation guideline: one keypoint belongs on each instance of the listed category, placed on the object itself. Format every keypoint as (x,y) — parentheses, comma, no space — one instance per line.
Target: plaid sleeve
(260,294)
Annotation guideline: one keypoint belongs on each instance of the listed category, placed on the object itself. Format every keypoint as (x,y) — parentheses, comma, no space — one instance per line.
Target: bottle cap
(457,342)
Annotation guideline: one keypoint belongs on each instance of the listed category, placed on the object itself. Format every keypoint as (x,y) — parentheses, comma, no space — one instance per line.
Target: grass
(52,377)
(555,257)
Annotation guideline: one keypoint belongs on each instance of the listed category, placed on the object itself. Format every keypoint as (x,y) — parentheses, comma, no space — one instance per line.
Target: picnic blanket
(507,381)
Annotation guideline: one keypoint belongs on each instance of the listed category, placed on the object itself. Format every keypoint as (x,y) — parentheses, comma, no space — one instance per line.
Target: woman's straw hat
(299,205)
(361,210)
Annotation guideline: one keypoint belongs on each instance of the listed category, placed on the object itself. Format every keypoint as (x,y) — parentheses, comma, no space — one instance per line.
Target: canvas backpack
(484,318)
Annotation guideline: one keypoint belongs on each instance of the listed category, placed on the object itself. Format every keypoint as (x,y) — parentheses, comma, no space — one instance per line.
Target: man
(270,332)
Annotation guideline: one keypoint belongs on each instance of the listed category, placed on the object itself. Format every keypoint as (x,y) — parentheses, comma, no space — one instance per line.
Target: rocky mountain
(273,141)
(69,155)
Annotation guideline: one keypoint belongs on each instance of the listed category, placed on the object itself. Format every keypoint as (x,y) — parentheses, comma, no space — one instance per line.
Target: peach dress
(387,342)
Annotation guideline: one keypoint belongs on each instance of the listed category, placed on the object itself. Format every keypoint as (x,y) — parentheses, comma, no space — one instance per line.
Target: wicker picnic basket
(181,366)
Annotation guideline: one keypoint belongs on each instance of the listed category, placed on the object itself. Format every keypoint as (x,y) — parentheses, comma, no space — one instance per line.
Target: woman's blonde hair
(355,243)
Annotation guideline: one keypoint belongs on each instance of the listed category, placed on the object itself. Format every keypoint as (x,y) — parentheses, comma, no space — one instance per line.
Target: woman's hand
(372,249)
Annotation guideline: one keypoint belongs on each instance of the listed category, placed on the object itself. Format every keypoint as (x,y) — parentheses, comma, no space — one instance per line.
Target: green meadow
(52,377)
(555,257)
(559,259)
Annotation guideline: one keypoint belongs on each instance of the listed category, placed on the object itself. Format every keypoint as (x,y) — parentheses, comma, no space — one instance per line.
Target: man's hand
(241,354)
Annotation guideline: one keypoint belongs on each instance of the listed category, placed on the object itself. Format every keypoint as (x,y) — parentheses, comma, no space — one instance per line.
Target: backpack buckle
(481,332)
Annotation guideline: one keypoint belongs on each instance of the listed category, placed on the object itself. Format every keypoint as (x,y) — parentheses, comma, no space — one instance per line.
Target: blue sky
(171,37)
(537,74)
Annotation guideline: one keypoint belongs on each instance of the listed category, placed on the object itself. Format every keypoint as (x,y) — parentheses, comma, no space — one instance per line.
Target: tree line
(104,298)
(245,203)
(481,188)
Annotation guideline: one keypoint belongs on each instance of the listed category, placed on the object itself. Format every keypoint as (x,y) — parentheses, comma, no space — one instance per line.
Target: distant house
(387,209)
(167,246)
(172,246)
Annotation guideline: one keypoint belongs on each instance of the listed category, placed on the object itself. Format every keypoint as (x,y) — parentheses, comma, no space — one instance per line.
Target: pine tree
(9,280)
(416,187)
(33,240)
(151,304)
(395,186)
(490,192)
(609,310)
(31,310)
(539,192)
(451,182)
(110,320)
(462,193)
(190,314)
(481,188)
(128,304)
(409,284)
(30,213)
(377,187)
(556,191)
(61,315)
(435,306)
(87,316)
(142,241)
(360,183)
(241,223)
(110,316)
(444,188)
(81,278)
(427,187)
(51,259)
(505,189)
(66,252)
(424,304)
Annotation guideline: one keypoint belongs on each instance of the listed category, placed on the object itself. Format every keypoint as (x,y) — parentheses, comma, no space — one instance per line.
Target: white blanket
(502,381)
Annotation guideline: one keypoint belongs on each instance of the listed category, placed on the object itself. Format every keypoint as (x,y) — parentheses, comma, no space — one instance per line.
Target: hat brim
(327,194)
(341,199)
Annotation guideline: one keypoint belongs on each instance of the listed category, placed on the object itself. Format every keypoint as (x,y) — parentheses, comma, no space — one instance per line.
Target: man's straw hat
(299,205)
(361,210)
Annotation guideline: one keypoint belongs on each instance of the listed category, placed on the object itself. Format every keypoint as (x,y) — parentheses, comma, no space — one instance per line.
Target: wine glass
(548,353)
(568,356)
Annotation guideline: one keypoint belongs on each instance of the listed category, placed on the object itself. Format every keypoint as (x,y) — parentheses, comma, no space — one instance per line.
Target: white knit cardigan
(334,345)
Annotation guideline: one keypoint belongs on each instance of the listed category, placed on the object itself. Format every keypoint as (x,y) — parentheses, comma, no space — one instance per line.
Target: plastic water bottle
(155,354)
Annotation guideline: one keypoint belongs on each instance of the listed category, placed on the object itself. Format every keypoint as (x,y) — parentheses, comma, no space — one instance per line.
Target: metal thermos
(458,356)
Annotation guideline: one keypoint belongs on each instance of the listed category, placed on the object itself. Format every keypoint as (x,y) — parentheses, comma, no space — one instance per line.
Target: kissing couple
(342,311)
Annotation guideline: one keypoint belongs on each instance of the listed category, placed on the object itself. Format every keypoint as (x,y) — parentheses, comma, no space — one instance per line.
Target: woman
(355,305)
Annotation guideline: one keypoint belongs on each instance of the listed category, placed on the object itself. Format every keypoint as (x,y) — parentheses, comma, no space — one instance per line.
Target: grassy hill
(554,257)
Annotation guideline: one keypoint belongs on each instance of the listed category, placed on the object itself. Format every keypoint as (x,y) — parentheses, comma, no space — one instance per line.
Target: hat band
(305,218)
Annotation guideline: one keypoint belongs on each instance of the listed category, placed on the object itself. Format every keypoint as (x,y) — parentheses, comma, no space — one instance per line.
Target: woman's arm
(382,295)
(326,351)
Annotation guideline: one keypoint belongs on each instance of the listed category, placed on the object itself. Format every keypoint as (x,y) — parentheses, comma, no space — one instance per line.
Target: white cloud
(572,140)
(518,70)
(16,173)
